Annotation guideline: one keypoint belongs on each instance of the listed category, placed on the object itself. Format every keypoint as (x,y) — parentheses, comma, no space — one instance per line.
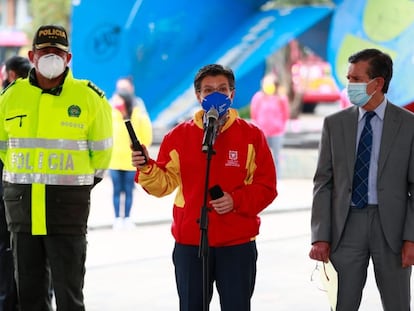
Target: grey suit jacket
(395,184)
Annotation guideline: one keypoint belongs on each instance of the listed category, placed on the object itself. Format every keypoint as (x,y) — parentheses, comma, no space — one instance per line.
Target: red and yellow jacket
(242,165)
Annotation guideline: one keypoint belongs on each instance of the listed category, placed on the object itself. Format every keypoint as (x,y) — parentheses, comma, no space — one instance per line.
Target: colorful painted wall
(163,43)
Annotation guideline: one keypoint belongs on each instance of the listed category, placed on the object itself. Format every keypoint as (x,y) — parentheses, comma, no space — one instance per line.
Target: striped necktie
(361,172)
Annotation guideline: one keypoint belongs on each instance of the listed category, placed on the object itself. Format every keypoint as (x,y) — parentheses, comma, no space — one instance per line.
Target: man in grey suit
(345,231)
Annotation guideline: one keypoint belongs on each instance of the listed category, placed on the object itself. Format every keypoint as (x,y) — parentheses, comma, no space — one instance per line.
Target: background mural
(162,44)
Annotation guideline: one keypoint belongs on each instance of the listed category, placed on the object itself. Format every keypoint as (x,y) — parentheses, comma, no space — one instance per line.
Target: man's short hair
(20,65)
(380,64)
(214,70)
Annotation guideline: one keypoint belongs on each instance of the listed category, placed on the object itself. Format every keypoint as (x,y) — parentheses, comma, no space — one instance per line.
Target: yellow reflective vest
(53,143)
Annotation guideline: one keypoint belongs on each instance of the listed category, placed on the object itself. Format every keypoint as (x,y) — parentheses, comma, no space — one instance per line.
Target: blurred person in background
(269,109)
(15,67)
(121,170)
(344,100)
(244,169)
(56,143)
(127,84)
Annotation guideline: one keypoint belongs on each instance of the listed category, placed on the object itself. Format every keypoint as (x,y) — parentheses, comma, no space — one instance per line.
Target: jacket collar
(53,91)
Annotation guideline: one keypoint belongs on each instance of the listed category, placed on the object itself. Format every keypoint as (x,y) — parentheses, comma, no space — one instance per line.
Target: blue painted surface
(162,45)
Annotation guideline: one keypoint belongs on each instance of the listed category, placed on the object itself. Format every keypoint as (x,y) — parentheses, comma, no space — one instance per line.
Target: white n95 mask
(51,66)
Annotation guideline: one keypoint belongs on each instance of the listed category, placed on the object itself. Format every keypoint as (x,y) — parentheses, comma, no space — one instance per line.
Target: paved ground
(132,269)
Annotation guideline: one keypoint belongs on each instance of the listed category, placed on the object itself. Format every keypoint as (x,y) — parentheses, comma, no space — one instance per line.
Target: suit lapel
(349,128)
(391,126)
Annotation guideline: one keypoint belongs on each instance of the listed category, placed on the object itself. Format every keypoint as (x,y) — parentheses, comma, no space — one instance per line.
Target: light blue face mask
(357,93)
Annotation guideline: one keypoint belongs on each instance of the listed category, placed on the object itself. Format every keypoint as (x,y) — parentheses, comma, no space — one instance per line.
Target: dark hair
(129,101)
(20,65)
(214,70)
(380,65)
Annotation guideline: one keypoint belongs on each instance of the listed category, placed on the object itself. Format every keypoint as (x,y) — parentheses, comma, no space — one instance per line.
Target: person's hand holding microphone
(139,154)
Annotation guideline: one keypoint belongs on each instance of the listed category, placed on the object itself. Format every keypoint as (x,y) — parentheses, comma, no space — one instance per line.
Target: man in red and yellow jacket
(242,165)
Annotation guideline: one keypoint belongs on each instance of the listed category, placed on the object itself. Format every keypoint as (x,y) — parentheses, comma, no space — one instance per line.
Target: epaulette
(7,87)
(96,89)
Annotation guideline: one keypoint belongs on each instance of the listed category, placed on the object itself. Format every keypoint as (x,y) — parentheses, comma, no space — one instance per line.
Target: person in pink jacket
(269,109)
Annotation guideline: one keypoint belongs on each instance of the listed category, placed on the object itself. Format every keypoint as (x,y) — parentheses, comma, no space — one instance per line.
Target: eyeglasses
(221,89)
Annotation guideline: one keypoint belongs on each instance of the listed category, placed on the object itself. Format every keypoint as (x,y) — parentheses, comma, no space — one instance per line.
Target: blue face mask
(221,102)
(357,93)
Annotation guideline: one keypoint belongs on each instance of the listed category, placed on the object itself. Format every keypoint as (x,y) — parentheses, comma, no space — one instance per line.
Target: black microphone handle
(208,137)
(216,192)
(209,132)
(136,145)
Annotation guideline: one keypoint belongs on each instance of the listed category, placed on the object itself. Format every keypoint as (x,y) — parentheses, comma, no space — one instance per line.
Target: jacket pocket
(68,205)
(17,199)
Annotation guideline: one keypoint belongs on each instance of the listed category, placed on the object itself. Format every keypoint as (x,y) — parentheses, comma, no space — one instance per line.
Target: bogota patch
(74,111)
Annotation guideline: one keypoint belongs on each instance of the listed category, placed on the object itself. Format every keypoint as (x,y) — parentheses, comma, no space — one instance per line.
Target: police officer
(14,67)
(55,142)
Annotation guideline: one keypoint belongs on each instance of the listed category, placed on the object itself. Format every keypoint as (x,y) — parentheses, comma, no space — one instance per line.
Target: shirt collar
(379,111)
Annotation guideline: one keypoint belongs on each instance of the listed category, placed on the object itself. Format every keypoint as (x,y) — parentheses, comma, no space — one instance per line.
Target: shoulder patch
(5,89)
(96,89)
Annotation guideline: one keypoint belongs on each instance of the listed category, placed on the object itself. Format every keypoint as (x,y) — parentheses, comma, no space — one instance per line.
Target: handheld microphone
(210,130)
(136,145)
(216,192)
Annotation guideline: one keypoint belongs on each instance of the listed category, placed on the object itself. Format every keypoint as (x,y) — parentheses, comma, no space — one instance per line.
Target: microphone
(210,130)
(136,145)
(216,192)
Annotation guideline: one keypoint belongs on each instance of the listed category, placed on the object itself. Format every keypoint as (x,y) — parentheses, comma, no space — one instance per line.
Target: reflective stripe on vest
(49,179)
(62,144)
(52,161)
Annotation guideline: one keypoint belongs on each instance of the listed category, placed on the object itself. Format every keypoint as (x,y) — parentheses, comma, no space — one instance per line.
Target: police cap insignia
(51,36)
(74,111)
